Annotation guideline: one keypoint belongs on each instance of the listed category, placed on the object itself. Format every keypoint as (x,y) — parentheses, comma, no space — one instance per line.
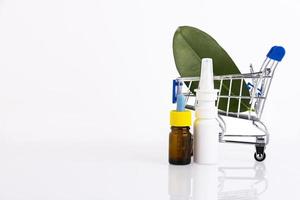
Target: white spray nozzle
(206,76)
(206,95)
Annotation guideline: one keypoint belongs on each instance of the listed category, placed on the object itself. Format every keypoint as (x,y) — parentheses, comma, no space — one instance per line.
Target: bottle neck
(180,128)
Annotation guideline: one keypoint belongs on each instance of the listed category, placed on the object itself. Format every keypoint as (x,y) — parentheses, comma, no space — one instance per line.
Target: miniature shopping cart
(258,85)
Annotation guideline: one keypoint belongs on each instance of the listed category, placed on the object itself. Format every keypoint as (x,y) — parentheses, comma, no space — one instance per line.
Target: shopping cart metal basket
(258,84)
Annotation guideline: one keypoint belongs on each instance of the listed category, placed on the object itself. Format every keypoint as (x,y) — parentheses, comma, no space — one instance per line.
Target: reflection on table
(210,182)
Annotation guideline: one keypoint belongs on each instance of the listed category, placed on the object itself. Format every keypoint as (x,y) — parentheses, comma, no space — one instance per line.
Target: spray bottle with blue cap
(180,138)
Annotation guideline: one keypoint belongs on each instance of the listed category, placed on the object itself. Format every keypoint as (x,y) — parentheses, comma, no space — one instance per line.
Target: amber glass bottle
(180,138)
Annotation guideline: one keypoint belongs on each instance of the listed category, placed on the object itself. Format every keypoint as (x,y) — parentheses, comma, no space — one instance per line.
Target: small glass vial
(180,138)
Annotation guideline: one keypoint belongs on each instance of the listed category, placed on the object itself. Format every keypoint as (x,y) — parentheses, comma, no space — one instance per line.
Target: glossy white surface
(141,171)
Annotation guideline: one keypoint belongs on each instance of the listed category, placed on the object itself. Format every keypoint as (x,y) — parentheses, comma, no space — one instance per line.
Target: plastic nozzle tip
(180,103)
(207,75)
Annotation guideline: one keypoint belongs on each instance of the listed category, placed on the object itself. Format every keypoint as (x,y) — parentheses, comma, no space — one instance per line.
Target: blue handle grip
(276,53)
(174,89)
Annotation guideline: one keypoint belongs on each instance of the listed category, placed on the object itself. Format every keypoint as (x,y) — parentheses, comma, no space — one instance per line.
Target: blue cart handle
(177,89)
(276,53)
(174,91)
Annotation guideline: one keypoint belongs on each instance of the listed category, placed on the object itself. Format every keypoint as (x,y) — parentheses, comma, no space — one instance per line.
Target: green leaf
(190,45)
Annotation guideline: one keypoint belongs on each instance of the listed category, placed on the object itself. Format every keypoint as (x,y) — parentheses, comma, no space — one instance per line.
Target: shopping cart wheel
(260,146)
(259,156)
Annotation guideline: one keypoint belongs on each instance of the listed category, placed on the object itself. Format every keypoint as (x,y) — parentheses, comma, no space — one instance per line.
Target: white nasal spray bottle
(206,127)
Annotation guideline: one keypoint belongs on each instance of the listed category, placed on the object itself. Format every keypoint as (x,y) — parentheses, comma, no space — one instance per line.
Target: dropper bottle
(180,137)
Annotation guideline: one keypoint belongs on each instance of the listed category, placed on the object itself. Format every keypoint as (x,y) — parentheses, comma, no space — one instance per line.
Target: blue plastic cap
(276,53)
(180,103)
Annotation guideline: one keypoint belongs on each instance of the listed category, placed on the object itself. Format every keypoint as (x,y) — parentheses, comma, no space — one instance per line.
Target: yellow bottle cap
(180,118)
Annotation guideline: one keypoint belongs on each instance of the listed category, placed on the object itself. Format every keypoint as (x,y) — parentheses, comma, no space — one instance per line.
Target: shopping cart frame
(258,84)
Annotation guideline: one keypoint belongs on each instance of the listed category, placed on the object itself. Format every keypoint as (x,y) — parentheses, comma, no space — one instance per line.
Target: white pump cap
(207,76)
(206,95)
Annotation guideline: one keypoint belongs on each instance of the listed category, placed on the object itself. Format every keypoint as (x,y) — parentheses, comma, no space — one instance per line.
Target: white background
(85,94)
